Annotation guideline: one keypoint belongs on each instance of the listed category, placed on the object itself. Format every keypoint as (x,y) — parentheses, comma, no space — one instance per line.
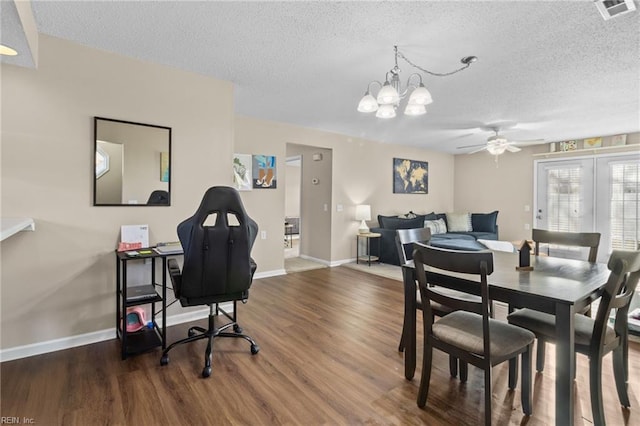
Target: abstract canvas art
(242,172)
(410,176)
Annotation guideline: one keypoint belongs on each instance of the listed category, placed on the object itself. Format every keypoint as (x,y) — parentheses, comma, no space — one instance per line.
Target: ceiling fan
(497,144)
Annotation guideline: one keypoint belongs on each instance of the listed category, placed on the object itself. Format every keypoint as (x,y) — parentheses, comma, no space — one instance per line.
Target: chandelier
(391,92)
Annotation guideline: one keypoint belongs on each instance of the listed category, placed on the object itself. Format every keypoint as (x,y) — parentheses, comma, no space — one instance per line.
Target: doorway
(293,188)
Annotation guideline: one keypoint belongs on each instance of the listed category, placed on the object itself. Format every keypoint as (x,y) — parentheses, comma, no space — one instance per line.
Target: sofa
(448,230)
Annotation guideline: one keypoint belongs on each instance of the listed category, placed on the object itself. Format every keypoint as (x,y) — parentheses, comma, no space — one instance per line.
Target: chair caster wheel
(255,349)
(237,328)
(206,372)
(164,360)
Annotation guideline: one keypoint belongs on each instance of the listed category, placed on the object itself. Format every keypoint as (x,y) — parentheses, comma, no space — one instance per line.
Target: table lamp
(363,213)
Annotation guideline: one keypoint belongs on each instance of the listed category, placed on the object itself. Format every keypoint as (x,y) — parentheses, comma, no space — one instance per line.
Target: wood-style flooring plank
(328,356)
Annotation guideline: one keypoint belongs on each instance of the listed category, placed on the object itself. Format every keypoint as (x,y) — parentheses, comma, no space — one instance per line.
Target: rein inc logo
(14,420)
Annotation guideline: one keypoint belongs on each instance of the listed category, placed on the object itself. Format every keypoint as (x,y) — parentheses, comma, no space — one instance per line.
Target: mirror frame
(95,150)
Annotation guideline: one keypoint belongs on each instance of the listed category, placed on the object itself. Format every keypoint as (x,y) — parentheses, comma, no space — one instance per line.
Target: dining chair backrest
(478,263)
(618,292)
(577,239)
(405,239)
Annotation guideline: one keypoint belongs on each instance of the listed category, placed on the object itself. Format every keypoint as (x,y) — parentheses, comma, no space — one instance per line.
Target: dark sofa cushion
(485,222)
(454,236)
(394,222)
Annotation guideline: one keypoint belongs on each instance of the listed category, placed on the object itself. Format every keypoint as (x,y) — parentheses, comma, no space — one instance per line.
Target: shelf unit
(13,225)
(147,338)
(589,151)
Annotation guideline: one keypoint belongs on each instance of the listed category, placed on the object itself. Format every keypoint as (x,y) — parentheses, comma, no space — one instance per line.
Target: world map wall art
(410,176)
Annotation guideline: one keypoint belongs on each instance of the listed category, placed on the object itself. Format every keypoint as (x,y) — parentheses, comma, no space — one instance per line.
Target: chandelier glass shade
(391,93)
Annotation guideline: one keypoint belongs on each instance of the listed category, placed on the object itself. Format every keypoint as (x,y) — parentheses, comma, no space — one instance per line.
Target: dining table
(554,285)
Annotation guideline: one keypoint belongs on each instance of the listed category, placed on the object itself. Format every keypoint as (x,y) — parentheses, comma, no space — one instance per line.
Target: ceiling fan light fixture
(368,103)
(386,111)
(496,149)
(415,110)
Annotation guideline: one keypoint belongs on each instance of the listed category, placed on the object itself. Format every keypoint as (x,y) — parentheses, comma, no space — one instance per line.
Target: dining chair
(576,239)
(404,244)
(595,337)
(468,333)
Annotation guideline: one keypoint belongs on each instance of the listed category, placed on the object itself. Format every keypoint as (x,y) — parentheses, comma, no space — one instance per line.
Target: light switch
(527,208)
(326,208)
(339,207)
(263,235)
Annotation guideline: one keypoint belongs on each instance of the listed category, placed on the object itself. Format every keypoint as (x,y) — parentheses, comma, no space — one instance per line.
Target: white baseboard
(315,259)
(110,333)
(95,336)
(341,262)
(267,274)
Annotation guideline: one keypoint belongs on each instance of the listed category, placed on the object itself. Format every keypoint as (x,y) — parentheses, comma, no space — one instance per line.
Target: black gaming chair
(159,197)
(217,266)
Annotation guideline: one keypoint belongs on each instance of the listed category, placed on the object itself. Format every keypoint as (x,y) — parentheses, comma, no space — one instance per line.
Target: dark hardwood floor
(328,356)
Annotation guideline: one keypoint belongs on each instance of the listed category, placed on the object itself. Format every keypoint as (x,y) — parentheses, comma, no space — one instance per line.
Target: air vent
(610,8)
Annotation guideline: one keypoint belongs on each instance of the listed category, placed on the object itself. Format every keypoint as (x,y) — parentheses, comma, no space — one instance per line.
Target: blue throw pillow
(485,222)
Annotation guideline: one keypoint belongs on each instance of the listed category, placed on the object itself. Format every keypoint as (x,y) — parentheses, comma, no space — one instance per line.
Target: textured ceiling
(553,70)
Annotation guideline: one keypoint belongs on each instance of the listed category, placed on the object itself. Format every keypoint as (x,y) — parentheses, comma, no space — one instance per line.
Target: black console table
(154,335)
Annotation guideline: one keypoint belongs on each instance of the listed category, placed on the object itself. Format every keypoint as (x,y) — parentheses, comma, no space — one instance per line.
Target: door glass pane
(624,205)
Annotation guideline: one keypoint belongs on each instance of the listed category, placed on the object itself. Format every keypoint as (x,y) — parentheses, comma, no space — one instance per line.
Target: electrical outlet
(527,208)
(326,208)
(527,226)
(339,207)
(263,235)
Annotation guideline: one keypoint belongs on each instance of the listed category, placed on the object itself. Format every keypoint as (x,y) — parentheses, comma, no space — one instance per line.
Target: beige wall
(59,281)
(482,185)
(361,174)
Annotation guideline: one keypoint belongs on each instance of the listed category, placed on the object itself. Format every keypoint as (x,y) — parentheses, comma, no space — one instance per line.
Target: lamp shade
(415,110)
(386,111)
(363,212)
(367,103)
(388,94)
(420,96)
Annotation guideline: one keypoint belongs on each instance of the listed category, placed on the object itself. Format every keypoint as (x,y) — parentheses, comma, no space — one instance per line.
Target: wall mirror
(132,164)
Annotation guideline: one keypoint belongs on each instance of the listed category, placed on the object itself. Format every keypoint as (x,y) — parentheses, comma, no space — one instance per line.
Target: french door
(590,194)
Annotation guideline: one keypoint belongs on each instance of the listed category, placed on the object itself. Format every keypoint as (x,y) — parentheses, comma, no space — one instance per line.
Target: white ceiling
(555,68)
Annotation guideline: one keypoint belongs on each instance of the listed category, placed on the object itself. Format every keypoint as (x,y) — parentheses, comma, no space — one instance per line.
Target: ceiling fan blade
(472,146)
(529,142)
(478,150)
(512,148)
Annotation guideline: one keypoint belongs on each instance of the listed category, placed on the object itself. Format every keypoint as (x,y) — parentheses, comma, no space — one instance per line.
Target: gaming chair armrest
(176,276)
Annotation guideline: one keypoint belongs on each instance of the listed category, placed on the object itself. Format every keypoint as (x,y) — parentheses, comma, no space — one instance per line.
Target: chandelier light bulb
(420,96)
(415,110)
(368,103)
(388,95)
(386,111)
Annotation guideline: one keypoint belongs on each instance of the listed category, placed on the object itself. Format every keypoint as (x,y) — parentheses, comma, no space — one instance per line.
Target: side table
(367,257)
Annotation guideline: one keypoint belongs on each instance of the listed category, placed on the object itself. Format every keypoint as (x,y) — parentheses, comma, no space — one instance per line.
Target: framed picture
(242,172)
(410,176)
(164,167)
(618,140)
(592,143)
(568,146)
(264,172)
